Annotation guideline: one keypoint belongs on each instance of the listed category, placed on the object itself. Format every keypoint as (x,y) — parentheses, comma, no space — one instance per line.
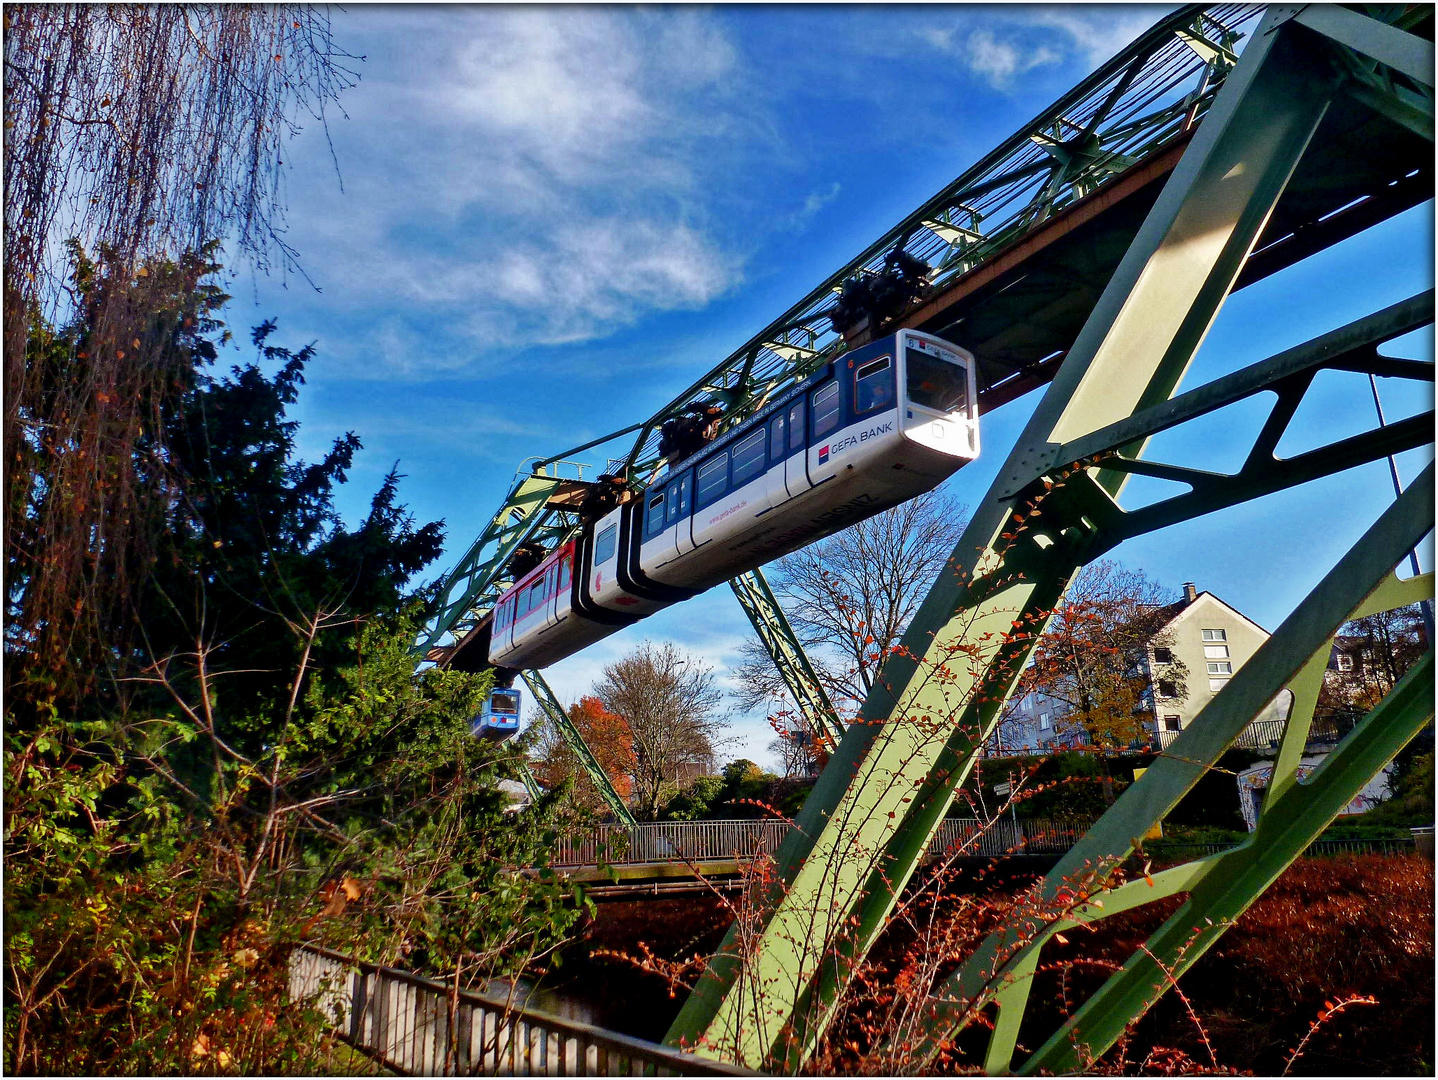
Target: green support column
(765,1001)
(1360,584)
(783,645)
(545,699)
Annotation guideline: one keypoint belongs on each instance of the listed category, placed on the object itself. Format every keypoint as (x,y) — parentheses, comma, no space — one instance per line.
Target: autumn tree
(1092,661)
(135,137)
(850,596)
(608,737)
(669,702)
(1371,654)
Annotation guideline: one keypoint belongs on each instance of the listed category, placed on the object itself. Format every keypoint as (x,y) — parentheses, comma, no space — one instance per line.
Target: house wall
(1186,640)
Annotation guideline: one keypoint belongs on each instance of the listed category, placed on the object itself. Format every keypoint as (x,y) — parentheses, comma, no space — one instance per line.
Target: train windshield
(504,702)
(936,384)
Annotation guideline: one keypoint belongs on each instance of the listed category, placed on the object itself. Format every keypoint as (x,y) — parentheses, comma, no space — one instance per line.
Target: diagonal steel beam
(871,814)
(1294,656)
(787,652)
(545,699)
(1390,46)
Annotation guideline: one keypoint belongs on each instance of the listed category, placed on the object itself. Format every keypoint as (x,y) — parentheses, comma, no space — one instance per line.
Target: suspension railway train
(873,428)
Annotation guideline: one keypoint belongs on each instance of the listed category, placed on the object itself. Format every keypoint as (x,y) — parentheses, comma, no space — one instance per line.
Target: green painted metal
(470,589)
(787,652)
(872,812)
(545,699)
(531,785)
(1294,657)
(1240,877)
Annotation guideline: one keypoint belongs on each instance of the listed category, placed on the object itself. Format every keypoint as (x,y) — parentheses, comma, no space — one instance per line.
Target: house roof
(1180,610)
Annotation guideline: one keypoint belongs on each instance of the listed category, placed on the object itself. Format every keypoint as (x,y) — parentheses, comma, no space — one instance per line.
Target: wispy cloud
(1021,38)
(999,61)
(524,175)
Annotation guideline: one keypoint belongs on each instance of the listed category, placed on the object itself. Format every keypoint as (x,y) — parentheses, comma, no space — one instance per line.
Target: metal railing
(670,842)
(1267,734)
(420,1027)
(709,841)
(1383,845)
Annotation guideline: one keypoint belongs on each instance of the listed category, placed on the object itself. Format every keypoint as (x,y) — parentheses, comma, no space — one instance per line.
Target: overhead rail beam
(1023,241)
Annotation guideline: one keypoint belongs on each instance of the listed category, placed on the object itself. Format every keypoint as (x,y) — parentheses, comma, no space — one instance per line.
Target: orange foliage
(609,738)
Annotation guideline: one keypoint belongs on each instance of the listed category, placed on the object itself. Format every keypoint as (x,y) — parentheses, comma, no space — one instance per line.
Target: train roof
(758,419)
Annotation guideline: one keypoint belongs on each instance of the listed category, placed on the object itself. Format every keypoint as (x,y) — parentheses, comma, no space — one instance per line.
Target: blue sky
(548,221)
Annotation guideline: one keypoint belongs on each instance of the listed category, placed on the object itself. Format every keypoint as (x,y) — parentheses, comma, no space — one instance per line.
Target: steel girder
(1220,887)
(545,699)
(787,652)
(859,836)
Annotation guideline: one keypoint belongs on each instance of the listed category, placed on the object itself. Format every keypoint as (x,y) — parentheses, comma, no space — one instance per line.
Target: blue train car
(871,429)
(499,719)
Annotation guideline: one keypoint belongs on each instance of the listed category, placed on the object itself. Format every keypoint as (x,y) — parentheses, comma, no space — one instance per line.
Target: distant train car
(499,719)
(874,428)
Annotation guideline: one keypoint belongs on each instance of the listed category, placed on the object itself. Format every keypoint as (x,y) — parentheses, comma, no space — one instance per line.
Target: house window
(1216,652)
(1167,688)
(1220,667)
(1044,721)
(1170,723)
(1217,684)
(1215,635)
(1345,662)
(1163,656)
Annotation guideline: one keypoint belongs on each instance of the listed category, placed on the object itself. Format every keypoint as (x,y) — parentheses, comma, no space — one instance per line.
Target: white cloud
(818,200)
(999,61)
(1021,38)
(521,176)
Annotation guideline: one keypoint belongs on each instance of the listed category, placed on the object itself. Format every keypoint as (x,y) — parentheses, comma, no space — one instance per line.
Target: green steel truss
(477,580)
(783,645)
(769,993)
(1142,102)
(545,699)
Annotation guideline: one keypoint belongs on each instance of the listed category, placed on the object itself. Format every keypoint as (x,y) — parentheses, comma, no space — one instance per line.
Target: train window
(796,426)
(749,458)
(654,522)
(533,596)
(826,410)
(874,385)
(604,546)
(564,566)
(712,475)
(504,701)
(776,438)
(686,484)
(935,384)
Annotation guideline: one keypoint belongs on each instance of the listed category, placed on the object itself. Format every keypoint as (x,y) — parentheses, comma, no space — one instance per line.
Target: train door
(778,456)
(796,472)
(679,512)
(826,414)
